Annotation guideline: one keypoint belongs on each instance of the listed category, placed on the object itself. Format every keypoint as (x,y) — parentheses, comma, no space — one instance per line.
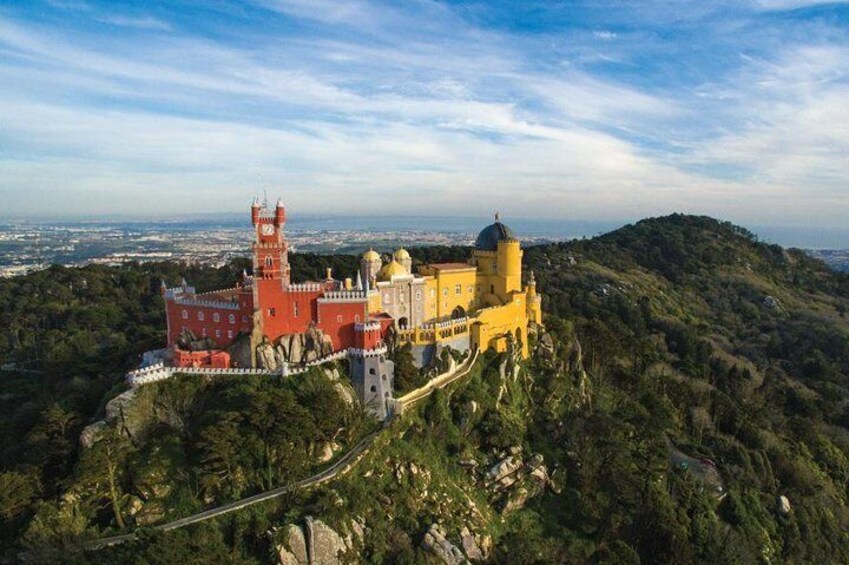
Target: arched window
(185,314)
(269,261)
(216,318)
(200,315)
(232,319)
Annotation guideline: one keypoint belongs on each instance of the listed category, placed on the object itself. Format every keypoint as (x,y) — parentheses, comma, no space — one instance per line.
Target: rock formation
(316,543)
(435,542)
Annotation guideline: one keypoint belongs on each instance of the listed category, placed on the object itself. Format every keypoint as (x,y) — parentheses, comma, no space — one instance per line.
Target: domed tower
(403,258)
(369,266)
(498,256)
(391,269)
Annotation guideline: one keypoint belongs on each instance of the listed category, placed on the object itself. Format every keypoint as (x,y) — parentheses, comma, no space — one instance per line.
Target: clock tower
(270,249)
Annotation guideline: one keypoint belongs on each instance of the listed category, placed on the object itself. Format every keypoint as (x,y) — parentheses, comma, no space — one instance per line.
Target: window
(217,333)
(339,319)
(418,295)
(492,289)
(401,297)
(371,371)
(295,308)
(272,312)
(269,262)
(444,292)
(471,289)
(458,289)
(387,298)
(373,388)
(230,334)
(232,319)
(216,318)
(185,314)
(433,293)
(203,332)
(200,315)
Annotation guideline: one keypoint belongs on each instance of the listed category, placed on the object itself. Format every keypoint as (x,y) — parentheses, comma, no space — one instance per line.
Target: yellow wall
(490,291)
(494,323)
(447,282)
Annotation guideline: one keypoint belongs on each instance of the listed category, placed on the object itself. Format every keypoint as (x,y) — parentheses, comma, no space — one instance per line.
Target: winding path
(343,464)
(320,477)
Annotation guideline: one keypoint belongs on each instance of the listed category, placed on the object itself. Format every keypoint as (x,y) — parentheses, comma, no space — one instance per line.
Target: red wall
(213,359)
(271,295)
(208,326)
(337,319)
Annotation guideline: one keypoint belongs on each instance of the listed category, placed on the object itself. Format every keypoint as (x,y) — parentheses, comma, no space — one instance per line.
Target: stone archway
(403,323)
(458,312)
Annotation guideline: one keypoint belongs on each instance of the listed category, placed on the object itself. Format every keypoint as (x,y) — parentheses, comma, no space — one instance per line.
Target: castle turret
(402,257)
(256,208)
(533,300)
(509,264)
(369,266)
(279,214)
(372,374)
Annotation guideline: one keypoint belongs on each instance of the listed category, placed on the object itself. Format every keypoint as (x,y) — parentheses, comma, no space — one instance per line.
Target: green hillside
(684,404)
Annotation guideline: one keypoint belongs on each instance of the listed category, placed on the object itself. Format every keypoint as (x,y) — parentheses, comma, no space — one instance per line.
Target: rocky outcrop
(91,433)
(503,470)
(240,351)
(436,543)
(545,347)
(513,481)
(119,411)
(293,550)
(316,543)
(476,548)
(265,356)
(784,507)
(297,348)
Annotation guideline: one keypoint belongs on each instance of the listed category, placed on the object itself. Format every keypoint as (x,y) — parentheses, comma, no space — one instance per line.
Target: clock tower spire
(270,248)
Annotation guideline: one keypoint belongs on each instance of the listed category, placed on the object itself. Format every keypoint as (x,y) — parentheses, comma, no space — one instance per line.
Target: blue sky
(602,110)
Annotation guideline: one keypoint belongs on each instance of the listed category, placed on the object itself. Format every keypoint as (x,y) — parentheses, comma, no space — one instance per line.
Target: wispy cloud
(144,22)
(368,106)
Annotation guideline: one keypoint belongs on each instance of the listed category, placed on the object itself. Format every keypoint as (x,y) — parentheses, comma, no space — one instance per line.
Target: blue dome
(489,236)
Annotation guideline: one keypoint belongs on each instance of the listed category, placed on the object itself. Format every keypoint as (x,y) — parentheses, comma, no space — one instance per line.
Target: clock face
(267,229)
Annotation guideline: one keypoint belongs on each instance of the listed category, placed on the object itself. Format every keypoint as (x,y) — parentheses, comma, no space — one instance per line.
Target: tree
(103,467)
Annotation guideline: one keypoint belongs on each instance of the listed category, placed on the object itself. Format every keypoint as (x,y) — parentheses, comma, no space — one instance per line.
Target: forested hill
(686,403)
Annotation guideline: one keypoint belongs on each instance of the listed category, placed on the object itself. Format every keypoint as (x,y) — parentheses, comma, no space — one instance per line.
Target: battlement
(195,303)
(367,326)
(306,287)
(376,352)
(160,372)
(344,296)
(432,332)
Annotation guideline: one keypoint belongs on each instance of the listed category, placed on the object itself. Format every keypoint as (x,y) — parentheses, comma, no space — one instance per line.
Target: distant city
(27,246)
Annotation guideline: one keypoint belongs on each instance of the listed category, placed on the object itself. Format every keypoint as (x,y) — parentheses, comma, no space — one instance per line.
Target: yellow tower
(533,301)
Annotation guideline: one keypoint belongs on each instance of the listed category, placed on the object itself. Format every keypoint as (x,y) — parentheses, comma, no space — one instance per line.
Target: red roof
(450,266)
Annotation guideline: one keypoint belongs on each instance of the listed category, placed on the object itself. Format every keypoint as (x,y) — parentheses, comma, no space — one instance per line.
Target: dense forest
(685,404)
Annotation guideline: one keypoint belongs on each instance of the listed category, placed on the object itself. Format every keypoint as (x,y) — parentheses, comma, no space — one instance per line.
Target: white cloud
(414,115)
(793,4)
(144,22)
(604,34)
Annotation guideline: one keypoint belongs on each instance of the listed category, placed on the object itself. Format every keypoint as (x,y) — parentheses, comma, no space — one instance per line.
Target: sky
(583,110)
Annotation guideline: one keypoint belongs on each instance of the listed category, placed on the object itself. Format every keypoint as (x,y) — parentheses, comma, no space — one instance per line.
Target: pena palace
(267,320)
